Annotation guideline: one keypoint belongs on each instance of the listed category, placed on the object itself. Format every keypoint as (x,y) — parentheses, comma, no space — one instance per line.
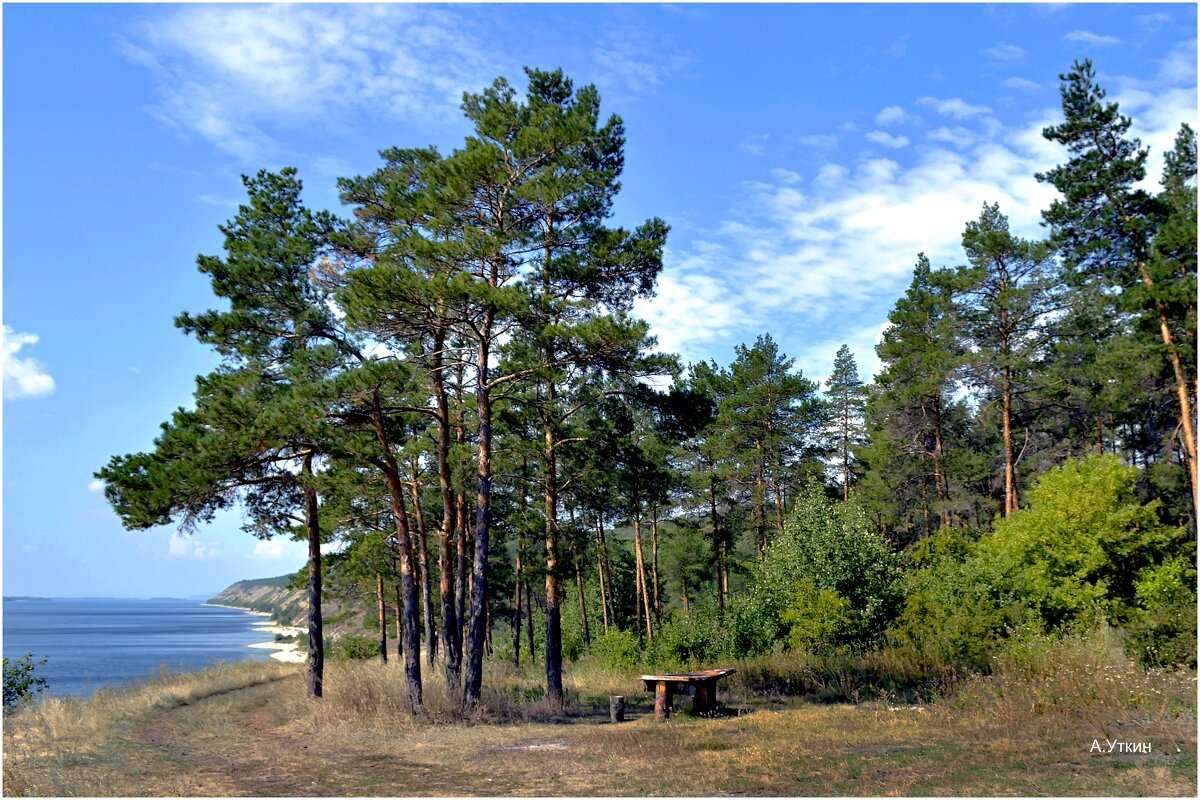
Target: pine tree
(1106,228)
(847,397)
(260,432)
(1007,294)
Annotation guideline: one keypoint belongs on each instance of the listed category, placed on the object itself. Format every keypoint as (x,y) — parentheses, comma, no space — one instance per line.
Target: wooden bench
(702,686)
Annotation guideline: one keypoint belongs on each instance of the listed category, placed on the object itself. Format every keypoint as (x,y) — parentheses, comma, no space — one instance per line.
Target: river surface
(91,643)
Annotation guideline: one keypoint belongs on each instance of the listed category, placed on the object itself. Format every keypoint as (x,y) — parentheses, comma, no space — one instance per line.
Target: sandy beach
(288,652)
(284,651)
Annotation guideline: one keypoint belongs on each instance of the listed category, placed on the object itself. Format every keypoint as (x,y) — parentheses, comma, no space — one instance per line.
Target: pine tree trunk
(941,485)
(554,687)
(641,572)
(845,451)
(477,621)
(450,630)
(316,640)
(718,546)
(587,638)
(412,636)
(382,617)
(1181,383)
(427,628)
(654,564)
(516,618)
(1010,470)
(600,569)
(463,525)
(529,623)
(760,502)
(398,591)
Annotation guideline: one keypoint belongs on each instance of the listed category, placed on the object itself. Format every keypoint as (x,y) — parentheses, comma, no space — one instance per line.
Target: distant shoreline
(287,652)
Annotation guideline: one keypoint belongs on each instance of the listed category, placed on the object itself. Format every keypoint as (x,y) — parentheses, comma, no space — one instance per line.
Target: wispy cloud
(23,376)
(887,140)
(95,485)
(635,58)
(821,141)
(898,48)
(1023,84)
(1094,39)
(958,136)
(755,143)
(954,107)
(894,115)
(1152,23)
(231,74)
(278,549)
(183,546)
(838,246)
(1004,52)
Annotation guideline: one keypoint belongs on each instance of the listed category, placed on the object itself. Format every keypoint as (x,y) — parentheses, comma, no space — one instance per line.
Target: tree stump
(616,708)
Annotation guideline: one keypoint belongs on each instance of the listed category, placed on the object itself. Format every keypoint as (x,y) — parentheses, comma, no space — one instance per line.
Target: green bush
(690,640)
(829,558)
(1075,552)
(1162,629)
(21,682)
(618,649)
(819,619)
(353,648)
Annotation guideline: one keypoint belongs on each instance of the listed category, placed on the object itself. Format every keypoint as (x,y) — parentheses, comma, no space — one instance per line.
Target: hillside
(288,606)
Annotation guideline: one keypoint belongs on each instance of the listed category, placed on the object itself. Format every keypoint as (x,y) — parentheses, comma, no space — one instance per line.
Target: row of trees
(452,376)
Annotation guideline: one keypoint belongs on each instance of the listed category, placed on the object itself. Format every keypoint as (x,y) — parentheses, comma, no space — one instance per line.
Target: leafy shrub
(353,648)
(21,683)
(830,552)
(1076,551)
(952,617)
(819,618)
(690,640)
(618,649)
(1162,629)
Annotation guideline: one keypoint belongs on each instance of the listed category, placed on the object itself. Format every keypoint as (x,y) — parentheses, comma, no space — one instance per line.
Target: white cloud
(898,48)
(1094,39)
(887,139)
(1023,84)
(958,136)
(755,144)
(95,485)
(634,59)
(955,107)
(692,306)
(1004,52)
(183,546)
(270,550)
(23,377)
(230,74)
(786,176)
(894,115)
(1153,23)
(821,141)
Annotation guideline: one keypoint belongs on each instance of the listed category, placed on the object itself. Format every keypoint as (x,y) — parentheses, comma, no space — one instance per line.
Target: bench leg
(701,703)
(662,701)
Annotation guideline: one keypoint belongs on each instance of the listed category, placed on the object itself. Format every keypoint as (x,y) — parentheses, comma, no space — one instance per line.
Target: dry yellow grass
(249,730)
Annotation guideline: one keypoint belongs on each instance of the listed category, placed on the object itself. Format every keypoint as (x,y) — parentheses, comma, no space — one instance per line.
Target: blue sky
(803,155)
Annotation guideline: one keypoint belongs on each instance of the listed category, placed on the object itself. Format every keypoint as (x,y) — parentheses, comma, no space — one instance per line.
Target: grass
(248,729)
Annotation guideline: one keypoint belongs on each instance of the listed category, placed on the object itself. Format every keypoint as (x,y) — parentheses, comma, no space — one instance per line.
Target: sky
(803,156)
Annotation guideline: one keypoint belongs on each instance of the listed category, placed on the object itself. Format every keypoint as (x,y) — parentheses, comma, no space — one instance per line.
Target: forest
(448,383)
